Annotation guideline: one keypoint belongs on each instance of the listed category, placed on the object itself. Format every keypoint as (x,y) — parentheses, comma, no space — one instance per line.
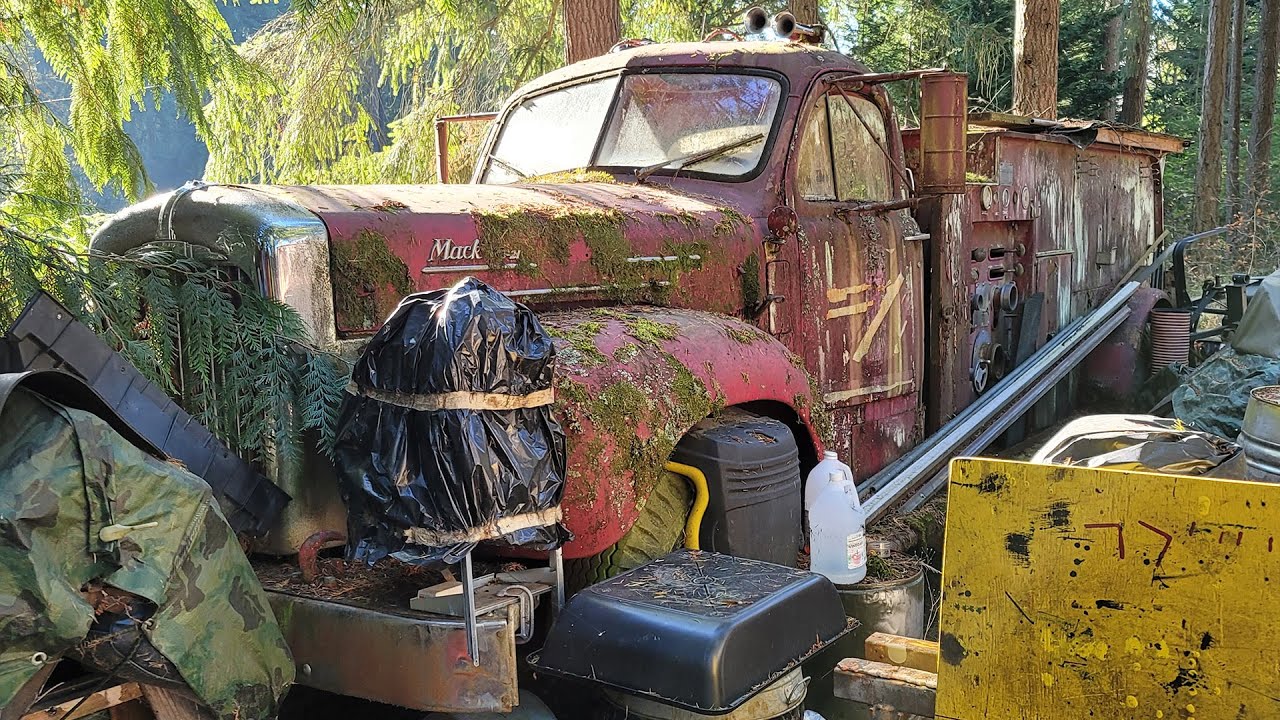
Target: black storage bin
(753,475)
(695,629)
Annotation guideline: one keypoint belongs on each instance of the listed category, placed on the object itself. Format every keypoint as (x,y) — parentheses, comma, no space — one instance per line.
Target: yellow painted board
(1079,593)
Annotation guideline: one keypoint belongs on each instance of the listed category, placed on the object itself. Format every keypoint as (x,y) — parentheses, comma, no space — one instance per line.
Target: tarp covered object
(448,426)
(1259,329)
(1214,397)
(65,475)
(1135,442)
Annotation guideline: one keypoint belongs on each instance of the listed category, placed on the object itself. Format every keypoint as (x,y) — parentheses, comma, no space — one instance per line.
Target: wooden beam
(97,702)
(881,686)
(902,651)
(169,705)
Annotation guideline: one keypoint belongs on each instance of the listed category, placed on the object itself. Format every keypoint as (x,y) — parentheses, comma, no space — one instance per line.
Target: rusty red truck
(733,242)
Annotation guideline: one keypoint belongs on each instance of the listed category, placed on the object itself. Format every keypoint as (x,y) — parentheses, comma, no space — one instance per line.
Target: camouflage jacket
(65,474)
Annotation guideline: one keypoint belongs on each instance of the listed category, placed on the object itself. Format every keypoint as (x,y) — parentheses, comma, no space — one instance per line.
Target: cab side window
(843,152)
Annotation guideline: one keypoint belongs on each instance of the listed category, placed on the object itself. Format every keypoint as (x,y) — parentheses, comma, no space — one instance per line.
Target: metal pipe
(927,458)
(469,605)
(1022,405)
(442,139)
(557,566)
(442,151)
(884,77)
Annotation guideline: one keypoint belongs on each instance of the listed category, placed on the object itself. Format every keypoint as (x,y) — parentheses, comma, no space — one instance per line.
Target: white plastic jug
(837,533)
(817,480)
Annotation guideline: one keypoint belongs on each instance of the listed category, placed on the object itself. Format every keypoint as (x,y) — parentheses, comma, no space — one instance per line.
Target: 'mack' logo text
(444,249)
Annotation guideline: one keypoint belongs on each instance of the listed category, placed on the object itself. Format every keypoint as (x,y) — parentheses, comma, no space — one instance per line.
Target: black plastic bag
(416,451)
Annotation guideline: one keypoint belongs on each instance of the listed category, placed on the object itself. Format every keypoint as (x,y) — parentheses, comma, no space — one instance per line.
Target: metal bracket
(524,598)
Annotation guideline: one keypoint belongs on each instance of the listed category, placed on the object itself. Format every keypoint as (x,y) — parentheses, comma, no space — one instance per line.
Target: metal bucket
(897,607)
(1170,338)
(1260,434)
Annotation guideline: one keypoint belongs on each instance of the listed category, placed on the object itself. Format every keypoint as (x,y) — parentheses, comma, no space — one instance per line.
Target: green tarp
(65,474)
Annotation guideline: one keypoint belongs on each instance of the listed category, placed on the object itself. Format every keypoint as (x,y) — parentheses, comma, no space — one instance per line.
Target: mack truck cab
(745,261)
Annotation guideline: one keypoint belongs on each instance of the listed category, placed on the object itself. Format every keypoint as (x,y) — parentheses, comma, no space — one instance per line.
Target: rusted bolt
(308,560)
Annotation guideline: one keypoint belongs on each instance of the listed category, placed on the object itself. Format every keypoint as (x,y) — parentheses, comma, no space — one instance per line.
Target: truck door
(866,286)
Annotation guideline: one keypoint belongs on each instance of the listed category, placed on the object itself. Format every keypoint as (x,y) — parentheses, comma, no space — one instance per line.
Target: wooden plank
(882,686)
(902,651)
(132,710)
(1077,594)
(169,705)
(97,702)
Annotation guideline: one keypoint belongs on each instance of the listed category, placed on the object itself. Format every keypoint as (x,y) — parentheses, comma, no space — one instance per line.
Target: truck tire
(656,532)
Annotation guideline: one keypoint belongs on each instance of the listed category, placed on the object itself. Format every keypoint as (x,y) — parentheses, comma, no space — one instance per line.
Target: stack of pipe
(924,469)
(1170,338)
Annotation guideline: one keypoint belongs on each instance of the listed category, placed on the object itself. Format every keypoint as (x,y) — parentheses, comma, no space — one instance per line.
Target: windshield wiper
(509,167)
(699,157)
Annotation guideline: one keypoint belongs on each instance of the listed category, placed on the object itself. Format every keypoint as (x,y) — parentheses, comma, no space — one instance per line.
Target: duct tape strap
(494,530)
(461,400)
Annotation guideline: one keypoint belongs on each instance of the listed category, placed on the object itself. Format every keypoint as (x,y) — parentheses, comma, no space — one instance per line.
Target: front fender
(632,381)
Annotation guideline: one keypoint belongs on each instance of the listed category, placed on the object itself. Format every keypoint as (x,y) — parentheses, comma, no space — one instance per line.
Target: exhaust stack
(786,27)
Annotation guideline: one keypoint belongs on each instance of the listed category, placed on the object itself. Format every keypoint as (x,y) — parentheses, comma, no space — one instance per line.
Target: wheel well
(806,443)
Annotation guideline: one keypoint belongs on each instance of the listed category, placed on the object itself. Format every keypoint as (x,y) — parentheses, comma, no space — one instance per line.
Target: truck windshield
(664,120)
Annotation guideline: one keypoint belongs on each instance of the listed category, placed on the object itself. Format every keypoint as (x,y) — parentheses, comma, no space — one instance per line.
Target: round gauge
(988,197)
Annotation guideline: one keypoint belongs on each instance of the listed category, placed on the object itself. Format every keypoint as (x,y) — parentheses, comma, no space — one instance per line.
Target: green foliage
(357,86)
(113,55)
(232,357)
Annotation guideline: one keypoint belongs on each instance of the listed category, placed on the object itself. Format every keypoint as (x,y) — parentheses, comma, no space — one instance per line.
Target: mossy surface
(730,222)
(364,269)
(749,279)
(569,177)
(580,340)
(746,336)
(642,407)
(532,237)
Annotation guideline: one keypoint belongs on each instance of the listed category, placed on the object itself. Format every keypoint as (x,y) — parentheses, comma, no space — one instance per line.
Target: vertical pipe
(557,566)
(469,604)
(442,150)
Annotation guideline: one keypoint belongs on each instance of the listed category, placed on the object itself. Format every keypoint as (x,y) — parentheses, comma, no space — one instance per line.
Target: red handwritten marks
(1168,540)
(1119,533)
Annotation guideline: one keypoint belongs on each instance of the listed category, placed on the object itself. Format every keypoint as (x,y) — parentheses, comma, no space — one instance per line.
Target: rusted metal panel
(413,660)
(1117,368)
(633,380)
(1043,216)
(944,99)
(542,244)
(858,319)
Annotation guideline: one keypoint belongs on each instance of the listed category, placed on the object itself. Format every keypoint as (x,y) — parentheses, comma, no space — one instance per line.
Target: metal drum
(1260,434)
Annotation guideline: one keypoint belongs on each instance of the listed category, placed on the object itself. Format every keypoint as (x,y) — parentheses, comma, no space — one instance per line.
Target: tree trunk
(1235,67)
(1212,99)
(591,27)
(806,11)
(1264,104)
(1138,64)
(1035,58)
(1111,58)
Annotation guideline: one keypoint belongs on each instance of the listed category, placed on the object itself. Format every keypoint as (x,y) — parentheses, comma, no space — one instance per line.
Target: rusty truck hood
(554,243)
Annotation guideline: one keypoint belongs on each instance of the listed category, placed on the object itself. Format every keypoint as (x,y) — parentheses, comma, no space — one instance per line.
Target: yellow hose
(701,496)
